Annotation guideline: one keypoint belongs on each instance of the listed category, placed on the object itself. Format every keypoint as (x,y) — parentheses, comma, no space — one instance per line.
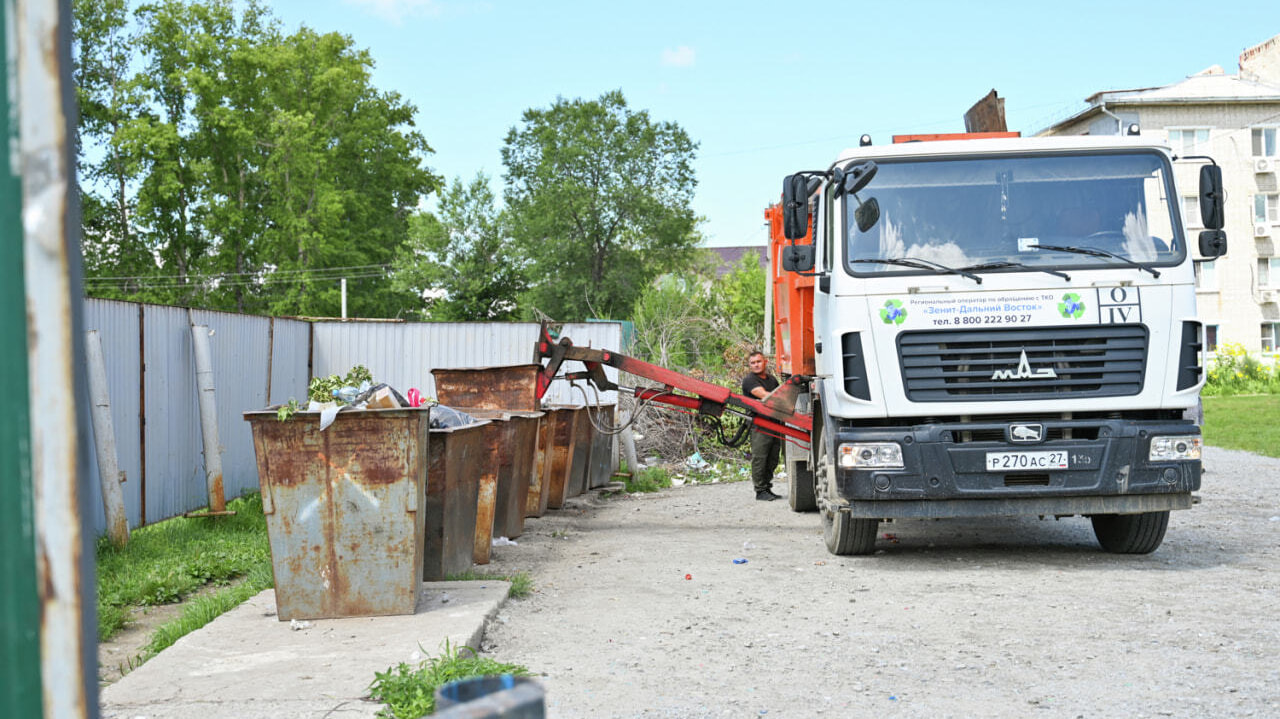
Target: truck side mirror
(1213,243)
(1211,198)
(797,258)
(857,177)
(867,214)
(795,207)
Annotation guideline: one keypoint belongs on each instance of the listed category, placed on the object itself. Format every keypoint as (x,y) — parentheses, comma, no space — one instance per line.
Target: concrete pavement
(246,664)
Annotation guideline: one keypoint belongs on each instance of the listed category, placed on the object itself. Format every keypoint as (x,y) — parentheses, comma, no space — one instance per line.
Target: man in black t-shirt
(765,448)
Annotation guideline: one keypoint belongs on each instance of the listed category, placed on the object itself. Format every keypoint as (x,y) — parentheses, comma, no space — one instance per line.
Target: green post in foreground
(20,685)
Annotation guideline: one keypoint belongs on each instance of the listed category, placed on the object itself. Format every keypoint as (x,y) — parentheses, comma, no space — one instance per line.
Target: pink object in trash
(415,397)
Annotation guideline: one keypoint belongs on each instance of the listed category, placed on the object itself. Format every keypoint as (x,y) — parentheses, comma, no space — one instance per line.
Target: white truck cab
(1001,327)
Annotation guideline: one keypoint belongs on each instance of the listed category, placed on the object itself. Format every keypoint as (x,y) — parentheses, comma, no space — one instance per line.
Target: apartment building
(1235,119)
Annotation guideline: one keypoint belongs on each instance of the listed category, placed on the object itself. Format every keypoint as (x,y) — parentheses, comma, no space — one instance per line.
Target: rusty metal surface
(579,470)
(511,510)
(512,388)
(600,466)
(40,148)
(540,477)
(453,487)
(514,455)
(344,510)
(563,440)
(494,438)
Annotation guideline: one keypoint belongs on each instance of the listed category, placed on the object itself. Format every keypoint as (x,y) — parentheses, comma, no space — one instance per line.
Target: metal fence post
(19,603)
(44,104)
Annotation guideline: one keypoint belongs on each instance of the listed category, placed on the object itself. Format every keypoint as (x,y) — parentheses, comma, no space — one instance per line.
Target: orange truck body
(792,304)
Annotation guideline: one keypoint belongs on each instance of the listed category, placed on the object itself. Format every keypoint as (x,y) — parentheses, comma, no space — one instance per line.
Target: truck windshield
(996,212)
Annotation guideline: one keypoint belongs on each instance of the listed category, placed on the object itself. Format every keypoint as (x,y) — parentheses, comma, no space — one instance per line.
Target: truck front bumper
(945,471)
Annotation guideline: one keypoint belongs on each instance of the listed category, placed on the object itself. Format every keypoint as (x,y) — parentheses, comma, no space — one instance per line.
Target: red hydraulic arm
(775,414)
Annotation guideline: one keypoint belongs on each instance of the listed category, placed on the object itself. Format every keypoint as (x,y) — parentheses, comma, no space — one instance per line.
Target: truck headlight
(870,455)
(1170,449)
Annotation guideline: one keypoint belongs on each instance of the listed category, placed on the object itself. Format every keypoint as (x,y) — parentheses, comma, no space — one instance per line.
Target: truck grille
(963,365)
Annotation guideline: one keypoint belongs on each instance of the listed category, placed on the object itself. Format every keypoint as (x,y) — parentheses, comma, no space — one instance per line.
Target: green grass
(409,692)
(521,582)
(1251,423)
(202,610)
(649,479)
(165,562)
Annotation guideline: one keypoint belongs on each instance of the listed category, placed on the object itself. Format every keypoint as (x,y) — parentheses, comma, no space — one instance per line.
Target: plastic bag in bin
(443,417)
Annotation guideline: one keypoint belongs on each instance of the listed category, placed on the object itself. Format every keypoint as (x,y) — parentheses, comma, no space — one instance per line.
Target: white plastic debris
(298,626)
(504,542)
(695,461)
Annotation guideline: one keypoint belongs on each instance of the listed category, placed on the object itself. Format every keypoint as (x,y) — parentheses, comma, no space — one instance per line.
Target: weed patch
(165,562)
(521,582)
(410,692)
(649,479)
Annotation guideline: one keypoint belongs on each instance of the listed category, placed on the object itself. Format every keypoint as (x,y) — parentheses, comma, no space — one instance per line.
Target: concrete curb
(248,664)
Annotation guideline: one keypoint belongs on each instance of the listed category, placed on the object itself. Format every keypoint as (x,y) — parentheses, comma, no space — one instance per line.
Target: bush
(1235,371)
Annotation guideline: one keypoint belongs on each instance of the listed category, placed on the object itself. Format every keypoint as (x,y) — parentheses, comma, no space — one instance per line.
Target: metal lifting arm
(775,414)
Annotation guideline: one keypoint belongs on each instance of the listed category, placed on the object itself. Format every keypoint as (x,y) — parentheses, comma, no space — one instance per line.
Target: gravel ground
(640,611)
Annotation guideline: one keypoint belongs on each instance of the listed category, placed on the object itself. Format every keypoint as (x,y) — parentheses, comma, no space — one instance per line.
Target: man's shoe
(766,496)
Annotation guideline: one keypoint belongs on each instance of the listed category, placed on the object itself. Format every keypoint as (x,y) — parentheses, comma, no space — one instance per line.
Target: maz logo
(1024,371)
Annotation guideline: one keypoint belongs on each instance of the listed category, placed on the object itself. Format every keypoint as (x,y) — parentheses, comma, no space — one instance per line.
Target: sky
(767,89)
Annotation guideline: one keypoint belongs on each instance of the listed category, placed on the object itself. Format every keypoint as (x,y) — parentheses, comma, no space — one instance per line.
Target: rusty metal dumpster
(515,454)
(563,437)
(513,388)
(584,437)
(540,479)
(344,510)
(600,466)
(458,457)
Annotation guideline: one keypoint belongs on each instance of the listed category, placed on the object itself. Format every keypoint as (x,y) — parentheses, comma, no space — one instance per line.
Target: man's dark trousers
(765,449)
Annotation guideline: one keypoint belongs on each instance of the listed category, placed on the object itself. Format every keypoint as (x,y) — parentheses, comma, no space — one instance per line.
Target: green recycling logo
(1071,307)
(892,312)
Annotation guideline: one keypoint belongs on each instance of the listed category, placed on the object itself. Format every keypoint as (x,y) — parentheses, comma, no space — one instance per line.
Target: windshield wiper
(1006,263)
(920,264)
(1095,252)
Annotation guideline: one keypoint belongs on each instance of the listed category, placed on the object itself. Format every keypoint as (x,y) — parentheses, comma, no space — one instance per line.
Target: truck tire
(843,535)
(846,536)
(1130,533)
(800,485)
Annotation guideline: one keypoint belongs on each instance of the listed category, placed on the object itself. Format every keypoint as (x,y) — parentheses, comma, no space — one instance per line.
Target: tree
(599,197)
(739,298)
(241,168)
(463,256)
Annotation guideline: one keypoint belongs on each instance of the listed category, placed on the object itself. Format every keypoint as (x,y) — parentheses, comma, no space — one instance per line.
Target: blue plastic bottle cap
(739,561)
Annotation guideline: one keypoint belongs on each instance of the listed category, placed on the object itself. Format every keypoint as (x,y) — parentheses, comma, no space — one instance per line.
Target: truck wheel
(1130,533)
(842,534)
(847,536)
(800,485)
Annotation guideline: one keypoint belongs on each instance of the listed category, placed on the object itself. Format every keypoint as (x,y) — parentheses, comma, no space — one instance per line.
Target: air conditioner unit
(1270,297)
(1261,229)
(1263,165)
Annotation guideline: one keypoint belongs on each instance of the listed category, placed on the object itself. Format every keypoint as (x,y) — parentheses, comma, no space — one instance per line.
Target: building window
(1266,208)
(1188,140)
(1206,276)
(1210,338)
(1264,142)
(1268,271)
(1191,210)
(1270,336)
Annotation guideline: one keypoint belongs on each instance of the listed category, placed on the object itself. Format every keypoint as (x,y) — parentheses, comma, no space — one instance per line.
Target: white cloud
(683,56)
(397,10)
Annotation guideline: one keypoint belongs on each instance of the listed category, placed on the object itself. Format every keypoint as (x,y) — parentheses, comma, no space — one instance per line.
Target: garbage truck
(977,325)
(993,326)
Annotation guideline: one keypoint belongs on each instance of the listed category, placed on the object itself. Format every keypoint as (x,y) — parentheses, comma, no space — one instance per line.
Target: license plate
(1012,461)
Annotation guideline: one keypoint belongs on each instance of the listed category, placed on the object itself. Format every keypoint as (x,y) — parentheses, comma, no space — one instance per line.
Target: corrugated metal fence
(257,362)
